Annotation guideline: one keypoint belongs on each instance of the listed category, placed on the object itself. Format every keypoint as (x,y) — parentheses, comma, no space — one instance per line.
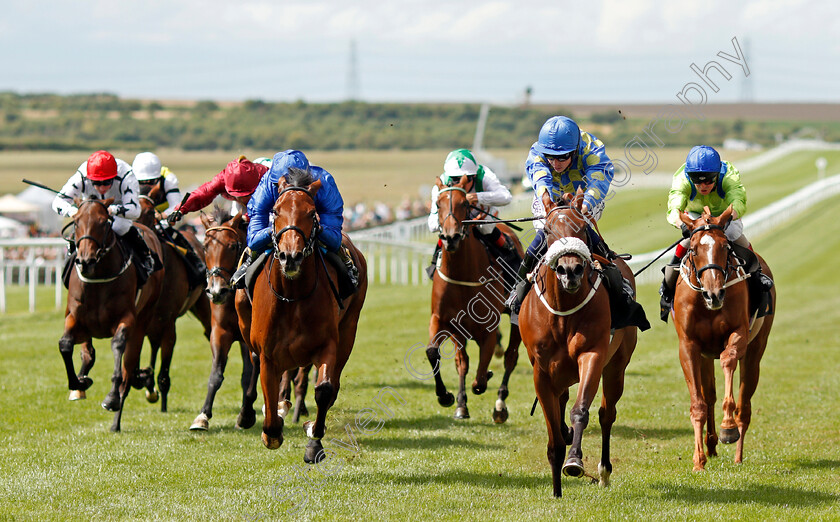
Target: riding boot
(237,279)
(599,246)
(523,286)
(349,266)
(666,290)
(430,270)
(196,269)
(147,260)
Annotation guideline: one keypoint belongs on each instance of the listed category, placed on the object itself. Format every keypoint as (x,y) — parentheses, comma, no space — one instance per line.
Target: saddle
(624,309)
(192,262)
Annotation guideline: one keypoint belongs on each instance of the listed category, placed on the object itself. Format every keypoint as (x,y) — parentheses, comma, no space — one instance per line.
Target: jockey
(563,159)
(328,204)
(706,181)
(149,172)
(236,182)
(103,176)
(486,194)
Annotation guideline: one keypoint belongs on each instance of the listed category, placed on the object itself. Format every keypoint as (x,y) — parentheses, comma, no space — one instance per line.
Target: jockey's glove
(72,211)
(174,217)
(685,231)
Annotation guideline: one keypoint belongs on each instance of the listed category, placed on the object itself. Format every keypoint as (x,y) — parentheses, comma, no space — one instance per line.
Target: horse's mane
(220,214)
(299,177)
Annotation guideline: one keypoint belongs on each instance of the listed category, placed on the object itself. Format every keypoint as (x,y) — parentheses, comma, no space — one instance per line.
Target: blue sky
(419,50)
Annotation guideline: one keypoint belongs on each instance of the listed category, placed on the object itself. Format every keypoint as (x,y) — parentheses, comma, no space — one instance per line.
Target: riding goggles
(559,157)
(702,178)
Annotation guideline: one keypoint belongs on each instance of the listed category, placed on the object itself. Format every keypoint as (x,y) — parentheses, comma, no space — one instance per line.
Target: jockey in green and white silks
(706,181)
(486,195)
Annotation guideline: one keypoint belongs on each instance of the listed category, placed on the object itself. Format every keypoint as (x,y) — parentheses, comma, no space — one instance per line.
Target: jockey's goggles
(703,178)
(559,157)
(103,183)
(148,181)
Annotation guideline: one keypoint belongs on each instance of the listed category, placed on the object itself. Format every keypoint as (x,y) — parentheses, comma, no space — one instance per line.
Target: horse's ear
(206,220)
(685,218)
(463,181)
(108,202)
(314,187)
(707,212)
(155,192)
(237,220)
(579,192)
(726,216)
(547,202)
(438,183)
(282,184)
(77,201)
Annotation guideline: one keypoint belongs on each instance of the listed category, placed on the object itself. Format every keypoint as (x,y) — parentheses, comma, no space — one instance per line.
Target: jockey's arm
(173,193)
(678,197)
(434,222)
(128,206)
(259,208)
(495,194)
(63,204)
(598,173)
(330,207)
(204,195)
(736,194)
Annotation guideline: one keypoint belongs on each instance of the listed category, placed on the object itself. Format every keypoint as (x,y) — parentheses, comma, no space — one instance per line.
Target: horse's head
(92,233)
(709,250)
(150,196)
(453,210)
(565,227)
(224,241)
(295,220)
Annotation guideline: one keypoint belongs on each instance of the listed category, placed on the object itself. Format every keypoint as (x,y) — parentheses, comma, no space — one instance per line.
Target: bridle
(217,271)
(308,247)
(463,230)
(698,272)
(101,251)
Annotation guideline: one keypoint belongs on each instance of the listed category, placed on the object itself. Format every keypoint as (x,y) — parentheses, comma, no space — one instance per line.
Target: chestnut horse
(711,327)
(300,321)
(103,301)
(175,299)
(467,302)
(565,324)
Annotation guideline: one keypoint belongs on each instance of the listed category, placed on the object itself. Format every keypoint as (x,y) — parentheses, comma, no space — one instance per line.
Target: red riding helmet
(101,166)
(242,177)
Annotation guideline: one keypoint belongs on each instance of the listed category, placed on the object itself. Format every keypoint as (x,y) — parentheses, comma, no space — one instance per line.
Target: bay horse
(175,299)
(300,321)
(467,302)
(565,325)
(710,327)
(103,301)
(224,242)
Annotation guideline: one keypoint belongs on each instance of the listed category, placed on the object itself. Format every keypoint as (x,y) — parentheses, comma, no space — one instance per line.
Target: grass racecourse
(58,460)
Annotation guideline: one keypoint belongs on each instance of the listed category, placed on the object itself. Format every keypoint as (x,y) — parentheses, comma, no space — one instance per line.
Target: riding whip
(40,185)
(657,257)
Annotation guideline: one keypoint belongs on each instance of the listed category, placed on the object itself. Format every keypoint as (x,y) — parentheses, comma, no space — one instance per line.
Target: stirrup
(236,280)
(352,273)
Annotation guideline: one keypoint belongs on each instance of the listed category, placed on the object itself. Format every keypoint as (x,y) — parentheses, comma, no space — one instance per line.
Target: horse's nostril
(282,257)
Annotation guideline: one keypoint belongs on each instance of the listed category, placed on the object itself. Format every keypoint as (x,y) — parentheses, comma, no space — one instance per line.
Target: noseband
(463,229)
(698,272)
(309,242)
(101,251)
(216,271)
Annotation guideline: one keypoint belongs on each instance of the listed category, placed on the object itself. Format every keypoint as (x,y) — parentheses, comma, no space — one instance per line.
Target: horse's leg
(148,374)
(88,355)
(325,392)
(613,389)
(565,431)
(272,436)
(462,364)
(250,373)
(707,388)
(301,385)
(167,349)
(691,366)
(283,402)
(590,368)
(553,413)
(220,341)
(130,370)
(735,349)
(444,397)
(748,383)
(485,355)
(118,346)
(500,412)
(65,347)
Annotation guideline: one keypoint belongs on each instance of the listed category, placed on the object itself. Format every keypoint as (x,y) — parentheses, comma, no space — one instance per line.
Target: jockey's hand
(685,231)
(174,217)
(472,198)
(113,210)
(72,211)
(584,209)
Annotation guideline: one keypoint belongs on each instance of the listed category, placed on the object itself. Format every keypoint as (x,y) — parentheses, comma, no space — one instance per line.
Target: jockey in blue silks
(328,203)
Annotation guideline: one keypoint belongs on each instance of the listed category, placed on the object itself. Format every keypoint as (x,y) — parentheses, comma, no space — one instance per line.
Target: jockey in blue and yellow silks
(328,203)
(562,160)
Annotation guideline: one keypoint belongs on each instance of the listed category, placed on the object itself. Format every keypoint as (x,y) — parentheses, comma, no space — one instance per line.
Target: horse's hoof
(245,420)
(446,400)
(603,476)
(461,412)
(77,395)
(201,423)
(573,467)
(314,452)
(500,413)
(84,382)
(284,408)
(111,402)
(729,435)
(478,389)
(271,442)
(489,374)
(152,396)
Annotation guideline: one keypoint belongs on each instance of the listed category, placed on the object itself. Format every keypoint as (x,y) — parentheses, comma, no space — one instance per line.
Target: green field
(60,462)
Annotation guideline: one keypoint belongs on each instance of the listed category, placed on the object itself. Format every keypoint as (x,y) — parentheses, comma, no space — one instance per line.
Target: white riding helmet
(146,166)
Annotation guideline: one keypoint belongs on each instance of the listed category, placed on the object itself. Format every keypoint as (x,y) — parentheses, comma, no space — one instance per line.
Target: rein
(685,271)
(101,251)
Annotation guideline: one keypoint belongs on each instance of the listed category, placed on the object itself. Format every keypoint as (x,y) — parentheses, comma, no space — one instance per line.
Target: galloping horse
(300,321)
(224,242)
(565,324)
(467,302)
(710,327)
(175,299)
(102,301)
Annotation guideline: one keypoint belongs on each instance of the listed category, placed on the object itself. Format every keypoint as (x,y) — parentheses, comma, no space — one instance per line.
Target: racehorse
(175,299)
(565,324)
(224,242)
(103,301)
(467,302)
(711,327)
(300,319)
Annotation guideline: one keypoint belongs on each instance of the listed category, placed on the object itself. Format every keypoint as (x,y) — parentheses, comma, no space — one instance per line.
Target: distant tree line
(102,120)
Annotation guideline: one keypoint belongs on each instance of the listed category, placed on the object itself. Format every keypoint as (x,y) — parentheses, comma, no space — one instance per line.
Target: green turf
(60,462)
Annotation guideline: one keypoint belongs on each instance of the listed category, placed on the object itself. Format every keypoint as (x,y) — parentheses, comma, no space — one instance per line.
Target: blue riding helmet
(283,160)
(559,135)
(703,164)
